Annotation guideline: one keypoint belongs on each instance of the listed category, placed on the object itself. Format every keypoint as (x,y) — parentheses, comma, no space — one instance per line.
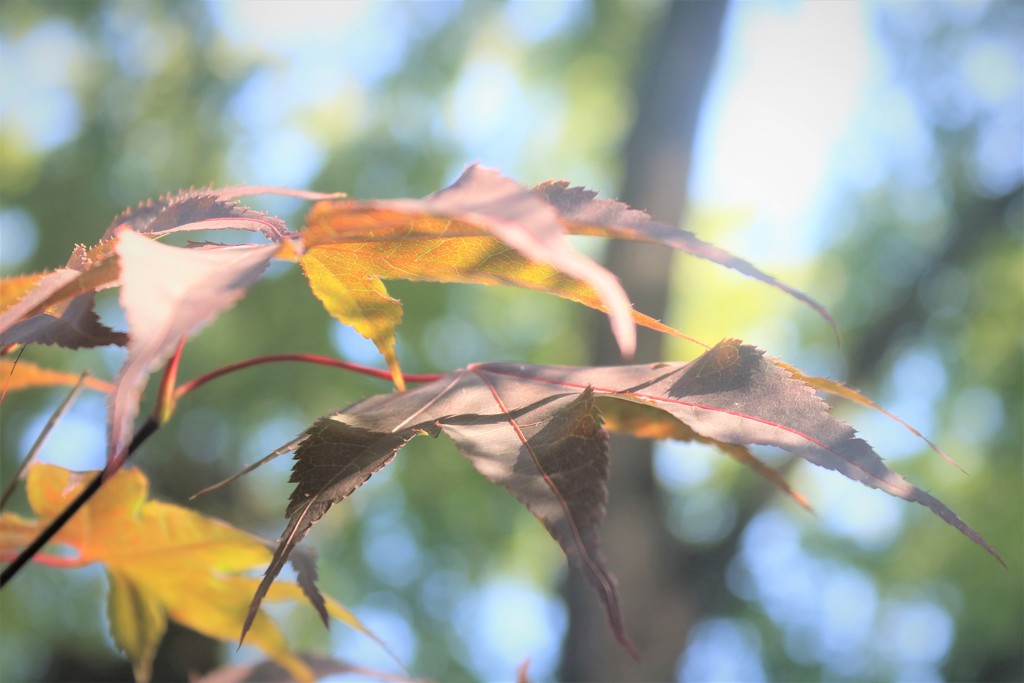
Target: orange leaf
(12,289)
(25,375)
(484,229)
(481,203)
(835,388)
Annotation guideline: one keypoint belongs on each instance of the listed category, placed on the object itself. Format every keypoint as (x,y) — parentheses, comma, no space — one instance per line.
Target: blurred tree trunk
(662,583)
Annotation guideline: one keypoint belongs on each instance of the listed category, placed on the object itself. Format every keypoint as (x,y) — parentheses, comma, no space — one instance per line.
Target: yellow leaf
(215,605)
(347,276)
(137,623)
(163,561)
(16,532)
(354,294)
(485,229)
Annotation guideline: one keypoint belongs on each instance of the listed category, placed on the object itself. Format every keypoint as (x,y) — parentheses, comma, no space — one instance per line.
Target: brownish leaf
(33,307)
(208,209)
(585,214)
(76,327)
(537,431)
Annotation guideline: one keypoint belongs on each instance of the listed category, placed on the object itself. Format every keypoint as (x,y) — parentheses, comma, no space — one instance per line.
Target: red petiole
(51,560)
(166,402)
(193,384)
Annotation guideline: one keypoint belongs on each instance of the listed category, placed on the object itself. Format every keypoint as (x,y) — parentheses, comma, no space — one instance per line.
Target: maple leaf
(481,203)
(190,287)
(31,313)
(537,432)
(208,209)
(12,289)
(483,229)
(585,214)
(162,561)
(77,326)
(835,388)
(32,306)
(167,293)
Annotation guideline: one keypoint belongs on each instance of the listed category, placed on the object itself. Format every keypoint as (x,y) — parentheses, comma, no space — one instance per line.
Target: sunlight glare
(789,82)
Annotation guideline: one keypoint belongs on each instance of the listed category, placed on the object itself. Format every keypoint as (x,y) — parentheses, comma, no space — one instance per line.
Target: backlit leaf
(347,277)
(208,209)
(191,286)
(537,432)
(137,623)
(481,203)
(163,561)
(356,297)
(585,214)
(39,308)
(12,289)
(23,299)
(835,388)
(76,326)
(484,229)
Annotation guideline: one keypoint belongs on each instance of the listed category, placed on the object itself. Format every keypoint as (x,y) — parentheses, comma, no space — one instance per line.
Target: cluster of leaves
(540,432)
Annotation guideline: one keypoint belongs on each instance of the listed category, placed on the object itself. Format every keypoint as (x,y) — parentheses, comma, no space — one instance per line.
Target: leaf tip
(254,607)
(523,672)
(396,370)
(624,331)
(802,501)
(628,646)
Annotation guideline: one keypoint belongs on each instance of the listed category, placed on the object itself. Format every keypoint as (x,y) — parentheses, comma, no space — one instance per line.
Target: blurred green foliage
(106,104)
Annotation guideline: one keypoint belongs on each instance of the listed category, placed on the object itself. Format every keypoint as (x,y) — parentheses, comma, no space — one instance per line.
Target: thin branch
(6,350)
(47,428)
(193,384)
(287,448)
(58,522)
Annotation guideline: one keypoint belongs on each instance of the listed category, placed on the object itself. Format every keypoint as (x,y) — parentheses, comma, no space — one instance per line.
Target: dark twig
(193,384)
(58,522)
(47,428)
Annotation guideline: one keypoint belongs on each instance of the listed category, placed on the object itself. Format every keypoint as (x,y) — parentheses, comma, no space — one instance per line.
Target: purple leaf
(208,209)
(588,215)
(536,431)
(77,327)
